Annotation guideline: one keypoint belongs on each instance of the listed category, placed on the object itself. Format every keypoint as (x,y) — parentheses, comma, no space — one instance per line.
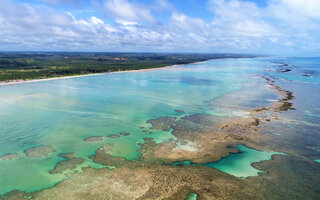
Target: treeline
(36,65)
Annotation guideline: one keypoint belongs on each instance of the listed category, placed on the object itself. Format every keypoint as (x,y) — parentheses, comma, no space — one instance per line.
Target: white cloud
(281,22)
(307,8)
(185,22)
(236,26)
(125,10)
(96,20)
(161,5)
(239,18)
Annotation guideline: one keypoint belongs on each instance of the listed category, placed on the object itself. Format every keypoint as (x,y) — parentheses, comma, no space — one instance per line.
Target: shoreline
(16,82)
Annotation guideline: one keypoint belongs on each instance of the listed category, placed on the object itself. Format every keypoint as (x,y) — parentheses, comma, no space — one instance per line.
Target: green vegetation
(38,65)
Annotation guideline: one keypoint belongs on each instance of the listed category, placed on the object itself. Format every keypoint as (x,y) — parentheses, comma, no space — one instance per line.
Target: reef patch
(39,151)
(69,164)
(10,156)
(113,136)
(162,123)
(179,111)
(93,139)
(124,133)
(103,156)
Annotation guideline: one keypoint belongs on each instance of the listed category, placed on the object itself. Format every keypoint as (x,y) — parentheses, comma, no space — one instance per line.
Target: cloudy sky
(290,27)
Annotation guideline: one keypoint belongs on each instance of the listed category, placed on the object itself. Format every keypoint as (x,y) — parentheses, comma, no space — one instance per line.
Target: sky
(274,27)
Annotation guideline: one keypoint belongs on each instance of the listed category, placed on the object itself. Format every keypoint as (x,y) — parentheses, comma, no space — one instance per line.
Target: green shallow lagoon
(238,164)
(62,113)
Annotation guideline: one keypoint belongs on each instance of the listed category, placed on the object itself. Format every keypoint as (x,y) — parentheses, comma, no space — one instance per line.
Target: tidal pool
(238,164)
(192,196)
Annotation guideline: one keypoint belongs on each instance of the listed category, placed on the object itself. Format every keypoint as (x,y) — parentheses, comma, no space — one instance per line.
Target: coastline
(16,82)
(251,140)
(144,178)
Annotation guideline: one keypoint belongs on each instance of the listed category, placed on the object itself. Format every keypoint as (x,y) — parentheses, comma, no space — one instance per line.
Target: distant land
(17,66)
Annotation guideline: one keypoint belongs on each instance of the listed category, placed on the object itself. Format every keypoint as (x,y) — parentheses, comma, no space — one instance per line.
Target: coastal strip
(16,82)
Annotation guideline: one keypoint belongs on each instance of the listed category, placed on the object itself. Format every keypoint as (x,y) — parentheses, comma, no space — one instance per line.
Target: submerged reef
(179,111)
(162,123)
(69,164)
(39,151)
(10,156)
(282,104)
(124,133)
(104,156)
(113,136)
(93,139)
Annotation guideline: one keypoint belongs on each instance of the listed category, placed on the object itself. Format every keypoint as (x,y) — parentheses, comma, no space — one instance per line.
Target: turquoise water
(192,196)
(61,113)
(304,69)
(239,164)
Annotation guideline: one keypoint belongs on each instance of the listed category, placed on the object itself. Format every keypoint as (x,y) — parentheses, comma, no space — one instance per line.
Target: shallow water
(63,112)
(192,196)
(238,164)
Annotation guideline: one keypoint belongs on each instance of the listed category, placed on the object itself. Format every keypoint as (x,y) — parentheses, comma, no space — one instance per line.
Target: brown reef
(162,123)
(39,151)
(113,136)
(146,181)
(10,156)
(93,139)
(124,133)
(103,156)
(69,164)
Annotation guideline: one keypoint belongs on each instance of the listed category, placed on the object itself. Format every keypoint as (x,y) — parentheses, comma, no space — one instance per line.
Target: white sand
(14,82)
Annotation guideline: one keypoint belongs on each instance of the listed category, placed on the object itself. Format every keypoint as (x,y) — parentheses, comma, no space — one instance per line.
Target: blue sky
(277,27)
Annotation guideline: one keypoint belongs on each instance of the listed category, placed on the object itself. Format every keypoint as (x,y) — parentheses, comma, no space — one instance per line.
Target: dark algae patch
(179,111)
(70,163)
(104,156)
(162,123)
(113,136)
(148,139)
(124,133)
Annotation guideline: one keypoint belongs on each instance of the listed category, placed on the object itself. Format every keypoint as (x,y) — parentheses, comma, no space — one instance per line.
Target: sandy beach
(15,82)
